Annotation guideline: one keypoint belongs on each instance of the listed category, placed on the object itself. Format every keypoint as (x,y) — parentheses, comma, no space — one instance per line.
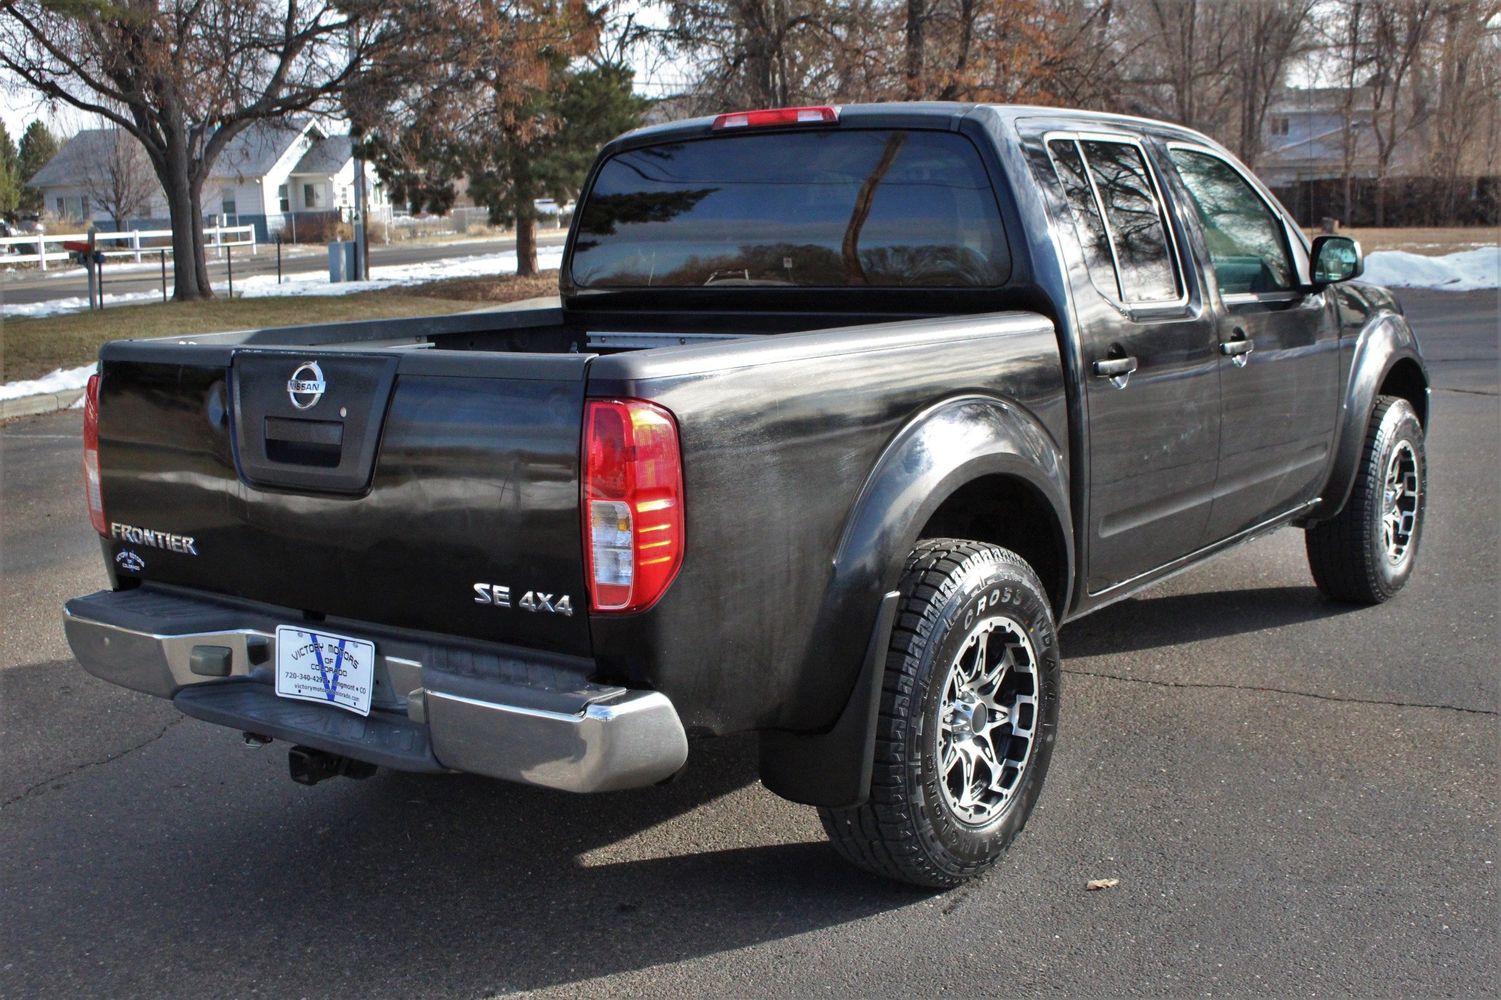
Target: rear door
(1150,351)
(1279,368)
(395,487)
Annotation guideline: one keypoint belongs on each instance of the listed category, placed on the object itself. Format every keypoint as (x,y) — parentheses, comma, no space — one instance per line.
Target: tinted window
(1246,239)
(825,208)
(1143,256)
(1086,212)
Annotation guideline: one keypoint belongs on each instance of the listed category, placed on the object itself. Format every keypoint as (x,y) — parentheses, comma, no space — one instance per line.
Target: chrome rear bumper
(572,735)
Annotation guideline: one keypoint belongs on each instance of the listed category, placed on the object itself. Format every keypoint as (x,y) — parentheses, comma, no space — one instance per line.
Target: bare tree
(184,77)
(1467,51)
(1399,31)
(1271,34)
(119,178)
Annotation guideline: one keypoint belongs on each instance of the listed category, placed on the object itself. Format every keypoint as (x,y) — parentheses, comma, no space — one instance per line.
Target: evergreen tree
(38,145)
(547,155)
(10,181)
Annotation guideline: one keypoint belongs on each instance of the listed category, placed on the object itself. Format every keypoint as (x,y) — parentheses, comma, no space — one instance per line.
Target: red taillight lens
(633,503)
(91,456)
(778,116)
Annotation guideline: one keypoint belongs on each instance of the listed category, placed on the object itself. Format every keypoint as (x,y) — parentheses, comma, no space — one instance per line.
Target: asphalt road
(23,287)
(1298,798)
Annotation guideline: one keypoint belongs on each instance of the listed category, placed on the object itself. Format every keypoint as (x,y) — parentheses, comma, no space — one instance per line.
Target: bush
(316,227)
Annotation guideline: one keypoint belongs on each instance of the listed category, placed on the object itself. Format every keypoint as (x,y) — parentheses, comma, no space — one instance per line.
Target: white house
(272,175)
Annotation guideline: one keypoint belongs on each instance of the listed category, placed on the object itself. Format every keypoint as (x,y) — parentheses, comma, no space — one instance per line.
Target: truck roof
(899,114)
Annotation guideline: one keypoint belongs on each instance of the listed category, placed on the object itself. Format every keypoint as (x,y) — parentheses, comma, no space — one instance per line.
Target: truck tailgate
(397,487)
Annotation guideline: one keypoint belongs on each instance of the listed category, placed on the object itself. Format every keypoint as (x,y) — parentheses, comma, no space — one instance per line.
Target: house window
(309,196)
(284,199)
(61,211)
(1279,126)
(227,203)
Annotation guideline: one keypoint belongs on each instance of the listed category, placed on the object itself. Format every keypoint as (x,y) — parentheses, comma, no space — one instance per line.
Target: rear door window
(1119,219)
(825,208)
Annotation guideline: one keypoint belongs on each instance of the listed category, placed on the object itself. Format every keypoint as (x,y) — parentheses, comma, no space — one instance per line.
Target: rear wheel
(969,712)
(1365,553)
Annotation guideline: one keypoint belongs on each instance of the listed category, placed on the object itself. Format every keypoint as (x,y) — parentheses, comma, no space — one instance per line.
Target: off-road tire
(910,829)
(1350,554)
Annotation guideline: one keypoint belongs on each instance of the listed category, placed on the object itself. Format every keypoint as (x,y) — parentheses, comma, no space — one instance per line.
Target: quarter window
(1086,211)
(1247,243)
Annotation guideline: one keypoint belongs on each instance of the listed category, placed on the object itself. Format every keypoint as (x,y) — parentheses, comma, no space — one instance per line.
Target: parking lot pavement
(1298,798)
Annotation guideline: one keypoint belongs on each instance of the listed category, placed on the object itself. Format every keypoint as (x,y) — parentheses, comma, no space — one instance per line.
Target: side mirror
(1335,258)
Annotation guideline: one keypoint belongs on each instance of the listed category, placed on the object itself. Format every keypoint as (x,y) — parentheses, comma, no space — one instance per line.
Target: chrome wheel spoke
(987,719)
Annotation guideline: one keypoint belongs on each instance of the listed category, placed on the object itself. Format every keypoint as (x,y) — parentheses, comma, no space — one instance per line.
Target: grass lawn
(1428,242)
(30,348)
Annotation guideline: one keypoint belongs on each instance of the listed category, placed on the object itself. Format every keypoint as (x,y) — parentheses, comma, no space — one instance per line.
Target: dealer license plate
(312,665)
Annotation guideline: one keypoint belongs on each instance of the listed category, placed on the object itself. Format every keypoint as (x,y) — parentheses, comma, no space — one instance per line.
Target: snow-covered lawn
(59,381)
(316,283)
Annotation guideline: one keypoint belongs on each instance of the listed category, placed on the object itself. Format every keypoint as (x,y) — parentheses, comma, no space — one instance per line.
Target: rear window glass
(827,209)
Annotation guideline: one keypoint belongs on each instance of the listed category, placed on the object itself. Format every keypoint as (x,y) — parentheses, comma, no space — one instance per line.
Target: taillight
(91,456)
(633,503)
(777,116)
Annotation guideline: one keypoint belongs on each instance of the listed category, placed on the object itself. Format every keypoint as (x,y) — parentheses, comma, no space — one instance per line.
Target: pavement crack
(1276,690)
(39,786)
(1467,392)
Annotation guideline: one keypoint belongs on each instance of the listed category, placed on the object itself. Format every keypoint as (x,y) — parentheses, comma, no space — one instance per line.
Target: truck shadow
(400,885)
(490,887)
(1148,622)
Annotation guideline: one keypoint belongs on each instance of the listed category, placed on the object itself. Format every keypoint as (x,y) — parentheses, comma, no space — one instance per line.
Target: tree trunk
(200,261)
(917,14)
(525,210)
(172,170)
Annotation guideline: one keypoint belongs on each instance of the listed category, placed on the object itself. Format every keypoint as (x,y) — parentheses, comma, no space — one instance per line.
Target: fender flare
(1382,343)
(940,450)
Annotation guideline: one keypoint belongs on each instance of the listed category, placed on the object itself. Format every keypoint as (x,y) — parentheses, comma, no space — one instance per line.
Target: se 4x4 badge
(499,596)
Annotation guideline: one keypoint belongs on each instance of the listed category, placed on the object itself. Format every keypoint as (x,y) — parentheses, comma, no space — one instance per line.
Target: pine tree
(562,130)
(10,181)
(38,146)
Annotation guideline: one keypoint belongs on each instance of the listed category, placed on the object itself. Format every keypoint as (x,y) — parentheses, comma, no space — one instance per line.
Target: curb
(47,402)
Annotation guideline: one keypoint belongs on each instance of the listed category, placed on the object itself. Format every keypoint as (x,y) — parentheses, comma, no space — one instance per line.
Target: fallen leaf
(1095,884)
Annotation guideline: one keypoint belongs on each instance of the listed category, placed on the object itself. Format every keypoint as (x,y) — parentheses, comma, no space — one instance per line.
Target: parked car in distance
(843,413)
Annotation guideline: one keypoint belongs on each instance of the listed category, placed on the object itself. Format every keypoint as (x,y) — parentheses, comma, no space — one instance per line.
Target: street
(1297,797)
(122,276)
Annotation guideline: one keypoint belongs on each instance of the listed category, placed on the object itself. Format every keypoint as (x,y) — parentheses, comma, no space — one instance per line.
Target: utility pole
(361,247)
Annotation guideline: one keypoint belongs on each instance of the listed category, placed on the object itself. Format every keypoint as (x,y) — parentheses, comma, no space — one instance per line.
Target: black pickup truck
(843,412)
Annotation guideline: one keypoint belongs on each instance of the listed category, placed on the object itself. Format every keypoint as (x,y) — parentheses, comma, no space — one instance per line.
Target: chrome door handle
(1114,367)
(1238,348)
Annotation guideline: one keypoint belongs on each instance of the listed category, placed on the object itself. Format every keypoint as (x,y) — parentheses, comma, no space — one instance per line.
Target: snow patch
(315,283)
(61,380)
(1466,271)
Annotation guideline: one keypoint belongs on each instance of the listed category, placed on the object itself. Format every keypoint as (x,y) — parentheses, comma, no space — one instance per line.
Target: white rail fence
(39,248)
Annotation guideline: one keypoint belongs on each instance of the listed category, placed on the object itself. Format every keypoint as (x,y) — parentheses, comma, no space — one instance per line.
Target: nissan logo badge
(306,386)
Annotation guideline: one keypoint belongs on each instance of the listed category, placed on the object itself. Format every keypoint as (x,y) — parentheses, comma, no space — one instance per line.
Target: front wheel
(969,712)
(1365,553)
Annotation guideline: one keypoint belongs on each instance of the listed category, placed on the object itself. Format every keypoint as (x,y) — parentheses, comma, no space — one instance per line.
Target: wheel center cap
(978,718)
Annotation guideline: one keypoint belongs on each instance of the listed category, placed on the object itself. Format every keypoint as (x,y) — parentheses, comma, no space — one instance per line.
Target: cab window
(1247,243)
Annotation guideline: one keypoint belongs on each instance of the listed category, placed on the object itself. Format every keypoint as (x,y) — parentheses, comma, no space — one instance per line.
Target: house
(1306,131)
(272,175)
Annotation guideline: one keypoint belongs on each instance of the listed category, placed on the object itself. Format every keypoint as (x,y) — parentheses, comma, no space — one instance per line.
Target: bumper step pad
(381,738)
